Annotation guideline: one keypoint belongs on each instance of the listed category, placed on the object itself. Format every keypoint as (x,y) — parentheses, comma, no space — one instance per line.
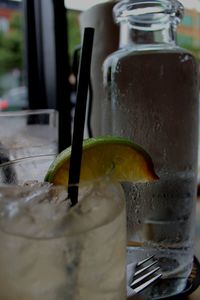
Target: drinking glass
(52,252)
(28,132)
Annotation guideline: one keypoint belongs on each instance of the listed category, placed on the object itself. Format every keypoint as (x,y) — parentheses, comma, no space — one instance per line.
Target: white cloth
(130,270)
(106,41)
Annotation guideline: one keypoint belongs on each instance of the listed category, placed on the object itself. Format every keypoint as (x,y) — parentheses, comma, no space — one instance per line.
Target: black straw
(79,117)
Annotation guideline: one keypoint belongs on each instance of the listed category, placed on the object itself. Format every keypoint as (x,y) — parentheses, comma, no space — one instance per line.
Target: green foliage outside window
(184,40)
(73,31)
(11,53)
(194,50)
(187,43)
(11,42)
(187,20)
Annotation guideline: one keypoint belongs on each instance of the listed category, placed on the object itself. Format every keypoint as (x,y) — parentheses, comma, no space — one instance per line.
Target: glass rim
(119,201)
(138,13)
(26,158)
(52,156)
(28,112)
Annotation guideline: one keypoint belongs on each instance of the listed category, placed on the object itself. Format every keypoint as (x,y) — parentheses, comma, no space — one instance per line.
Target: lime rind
(64,156)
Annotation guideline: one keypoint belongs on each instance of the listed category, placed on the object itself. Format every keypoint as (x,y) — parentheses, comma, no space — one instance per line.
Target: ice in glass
(49,251)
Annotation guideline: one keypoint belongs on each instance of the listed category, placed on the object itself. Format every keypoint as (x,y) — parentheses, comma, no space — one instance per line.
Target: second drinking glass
(27,133)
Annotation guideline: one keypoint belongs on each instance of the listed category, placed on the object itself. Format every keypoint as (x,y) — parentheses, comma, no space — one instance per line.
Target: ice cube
(33,210)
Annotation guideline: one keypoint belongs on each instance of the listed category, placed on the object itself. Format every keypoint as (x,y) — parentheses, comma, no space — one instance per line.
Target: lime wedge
(119,157)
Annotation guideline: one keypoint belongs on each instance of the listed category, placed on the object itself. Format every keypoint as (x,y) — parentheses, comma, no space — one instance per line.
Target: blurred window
(184,40)
(11,46)
(4,25)
(187,20)
(189,29)
(74,31)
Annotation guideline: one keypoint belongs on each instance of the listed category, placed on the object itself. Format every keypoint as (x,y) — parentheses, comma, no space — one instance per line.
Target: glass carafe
(151,96)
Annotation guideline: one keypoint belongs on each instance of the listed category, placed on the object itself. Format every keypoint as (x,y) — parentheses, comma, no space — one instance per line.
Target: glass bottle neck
(134,37)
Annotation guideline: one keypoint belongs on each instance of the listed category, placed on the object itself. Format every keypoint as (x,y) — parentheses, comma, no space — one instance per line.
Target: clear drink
(152,97)
(51,253)
(169,203)
(161,218)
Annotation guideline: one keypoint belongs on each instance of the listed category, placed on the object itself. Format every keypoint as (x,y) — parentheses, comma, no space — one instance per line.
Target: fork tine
(145,268)
(139,280)
(147,283)
(142,278)
(144,260)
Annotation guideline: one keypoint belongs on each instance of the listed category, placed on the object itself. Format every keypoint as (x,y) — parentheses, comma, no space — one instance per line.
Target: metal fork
(145,275)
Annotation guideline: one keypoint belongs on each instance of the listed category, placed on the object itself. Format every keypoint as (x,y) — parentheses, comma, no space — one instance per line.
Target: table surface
(196,295)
